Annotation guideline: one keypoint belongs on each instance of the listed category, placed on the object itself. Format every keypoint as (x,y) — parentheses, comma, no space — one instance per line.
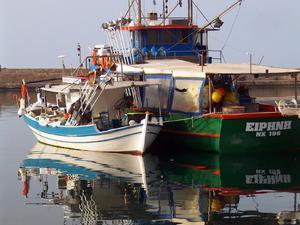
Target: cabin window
(183,36)
(152,37)
(151,93)
(167,37)
(60,100)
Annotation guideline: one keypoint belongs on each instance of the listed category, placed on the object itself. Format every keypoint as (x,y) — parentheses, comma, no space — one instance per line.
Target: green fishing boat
(205,106)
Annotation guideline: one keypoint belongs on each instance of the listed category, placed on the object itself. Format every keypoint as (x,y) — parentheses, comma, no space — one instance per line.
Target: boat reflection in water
(189,188)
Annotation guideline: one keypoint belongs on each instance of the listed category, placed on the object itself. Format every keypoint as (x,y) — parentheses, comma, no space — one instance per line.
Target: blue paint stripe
(77,131)
(87,142)
(69,169)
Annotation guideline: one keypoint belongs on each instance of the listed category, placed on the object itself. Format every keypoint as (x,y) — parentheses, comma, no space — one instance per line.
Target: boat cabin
(109,105)
(175,40)
(187,88)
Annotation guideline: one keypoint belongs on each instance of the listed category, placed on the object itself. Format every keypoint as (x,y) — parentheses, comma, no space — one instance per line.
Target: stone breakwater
(12,78)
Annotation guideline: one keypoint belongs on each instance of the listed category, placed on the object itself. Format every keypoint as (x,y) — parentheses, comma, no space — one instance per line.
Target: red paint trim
(158,27)
(266,108)
(244,115)
(192,133)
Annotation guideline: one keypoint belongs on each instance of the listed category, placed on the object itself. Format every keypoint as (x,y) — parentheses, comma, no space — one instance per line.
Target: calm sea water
(41,184)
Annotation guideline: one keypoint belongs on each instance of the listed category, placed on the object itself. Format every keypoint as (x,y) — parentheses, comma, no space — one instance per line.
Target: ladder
(87,95)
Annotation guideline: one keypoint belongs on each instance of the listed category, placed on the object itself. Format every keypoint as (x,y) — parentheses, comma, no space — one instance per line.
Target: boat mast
(139,6)
(139,15)
(129,7)
(190,12)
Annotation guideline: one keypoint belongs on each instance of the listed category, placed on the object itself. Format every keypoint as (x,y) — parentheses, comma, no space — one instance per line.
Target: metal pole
(79,54)
(139,12)
(190,12)
(209,94)
(159,106)
(250,63)
(164,12)
(296,87)
(129,8)
(295,202)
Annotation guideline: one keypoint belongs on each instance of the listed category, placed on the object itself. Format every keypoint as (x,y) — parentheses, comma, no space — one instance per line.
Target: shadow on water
(171,188)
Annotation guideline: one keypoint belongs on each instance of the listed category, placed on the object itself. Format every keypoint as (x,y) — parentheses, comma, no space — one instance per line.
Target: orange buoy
(104,62)
(94,55)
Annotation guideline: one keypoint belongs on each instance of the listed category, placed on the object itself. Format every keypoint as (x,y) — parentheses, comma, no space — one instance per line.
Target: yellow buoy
(216,96)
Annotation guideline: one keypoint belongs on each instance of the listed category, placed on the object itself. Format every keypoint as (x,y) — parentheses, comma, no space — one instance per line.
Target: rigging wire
(202,14)
(231,28)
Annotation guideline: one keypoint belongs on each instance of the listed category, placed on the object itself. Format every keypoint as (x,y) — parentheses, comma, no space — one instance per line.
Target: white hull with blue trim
(135,138)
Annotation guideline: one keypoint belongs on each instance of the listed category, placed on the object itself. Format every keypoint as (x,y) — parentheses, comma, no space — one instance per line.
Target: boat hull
(234,132)
(134,138)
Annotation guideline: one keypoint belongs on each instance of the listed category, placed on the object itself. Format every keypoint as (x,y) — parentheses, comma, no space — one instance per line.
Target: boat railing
(86,63)
(197,56)
(288,107)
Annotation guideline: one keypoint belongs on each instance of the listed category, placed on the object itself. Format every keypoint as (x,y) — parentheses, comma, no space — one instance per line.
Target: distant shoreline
(12,78)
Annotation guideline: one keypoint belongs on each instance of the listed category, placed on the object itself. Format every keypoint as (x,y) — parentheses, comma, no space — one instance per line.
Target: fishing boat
(204,105)
(92,112)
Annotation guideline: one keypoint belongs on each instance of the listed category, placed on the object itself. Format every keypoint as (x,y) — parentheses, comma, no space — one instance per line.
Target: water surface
(48,185)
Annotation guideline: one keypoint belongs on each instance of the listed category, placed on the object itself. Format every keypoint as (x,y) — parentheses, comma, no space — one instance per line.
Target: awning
(180,68)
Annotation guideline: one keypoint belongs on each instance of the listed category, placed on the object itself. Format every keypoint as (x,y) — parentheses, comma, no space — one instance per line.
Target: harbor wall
(12,78)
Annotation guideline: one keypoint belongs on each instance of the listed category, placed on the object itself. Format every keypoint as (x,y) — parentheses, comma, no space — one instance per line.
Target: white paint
(270,129)
(132,139)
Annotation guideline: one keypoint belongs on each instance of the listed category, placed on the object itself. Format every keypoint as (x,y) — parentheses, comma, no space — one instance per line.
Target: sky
(34,33)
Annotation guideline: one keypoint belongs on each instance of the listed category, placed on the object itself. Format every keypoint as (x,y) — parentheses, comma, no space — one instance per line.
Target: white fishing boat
(92,114)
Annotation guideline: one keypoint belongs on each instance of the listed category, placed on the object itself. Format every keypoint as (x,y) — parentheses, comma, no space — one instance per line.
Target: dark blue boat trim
(78,131)
(85,142)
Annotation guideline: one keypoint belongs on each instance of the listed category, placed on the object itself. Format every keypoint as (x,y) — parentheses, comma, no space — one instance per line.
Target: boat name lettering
(264,129)
(272,176)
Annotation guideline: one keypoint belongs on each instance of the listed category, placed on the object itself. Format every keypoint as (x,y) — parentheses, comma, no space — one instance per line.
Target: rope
(231,28)
(198,9)
(171,121)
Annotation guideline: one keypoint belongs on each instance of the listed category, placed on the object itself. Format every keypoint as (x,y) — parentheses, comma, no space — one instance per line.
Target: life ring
(106,62)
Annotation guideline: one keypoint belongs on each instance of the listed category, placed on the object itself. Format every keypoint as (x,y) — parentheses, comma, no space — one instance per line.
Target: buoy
(94,56)
(216,96)
(221,91)
(104,62)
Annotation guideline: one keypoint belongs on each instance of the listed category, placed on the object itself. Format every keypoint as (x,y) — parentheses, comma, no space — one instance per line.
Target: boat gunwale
(90,126)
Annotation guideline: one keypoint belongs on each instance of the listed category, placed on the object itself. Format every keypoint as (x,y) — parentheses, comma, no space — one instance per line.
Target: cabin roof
(158,27)
(180,68)
(65,88)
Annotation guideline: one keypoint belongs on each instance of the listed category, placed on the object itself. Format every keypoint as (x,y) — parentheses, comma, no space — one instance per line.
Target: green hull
(233,133)
(263,171)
